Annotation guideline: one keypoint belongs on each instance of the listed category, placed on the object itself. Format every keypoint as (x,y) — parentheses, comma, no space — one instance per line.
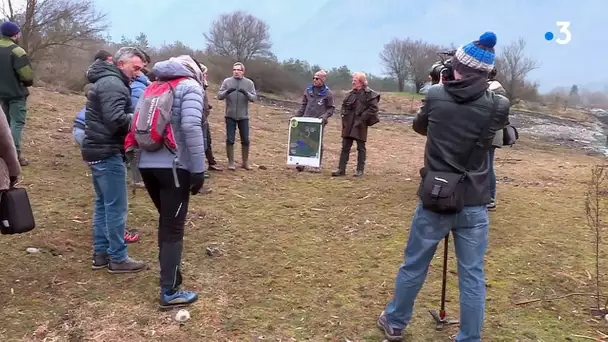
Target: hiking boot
(214,167)
(359,173)
(390,333)
(127,266)
(176,299)
(230,155)
(315,170)
(300,168)
(100,261)
(338,173)
(492,204)
(245,157)
(131,236)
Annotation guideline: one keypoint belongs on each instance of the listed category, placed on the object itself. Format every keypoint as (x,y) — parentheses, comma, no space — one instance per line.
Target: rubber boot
(245,157)
(360,163)
(230,155)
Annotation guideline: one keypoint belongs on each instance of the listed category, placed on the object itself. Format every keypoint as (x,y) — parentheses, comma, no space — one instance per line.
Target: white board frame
(305,161)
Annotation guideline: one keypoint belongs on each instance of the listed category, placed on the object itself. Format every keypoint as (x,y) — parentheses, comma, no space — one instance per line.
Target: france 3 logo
(564,29)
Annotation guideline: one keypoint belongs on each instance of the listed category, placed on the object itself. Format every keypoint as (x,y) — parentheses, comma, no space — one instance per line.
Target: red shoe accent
(131,237)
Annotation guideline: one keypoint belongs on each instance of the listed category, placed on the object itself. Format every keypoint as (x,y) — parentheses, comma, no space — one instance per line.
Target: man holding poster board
(305,145)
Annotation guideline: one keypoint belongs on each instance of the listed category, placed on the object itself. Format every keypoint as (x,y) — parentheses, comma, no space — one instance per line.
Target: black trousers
(172,205)
(347,144)
(208,150)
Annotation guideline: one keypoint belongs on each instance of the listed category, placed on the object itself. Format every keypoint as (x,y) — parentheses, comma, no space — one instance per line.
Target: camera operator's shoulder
(435,91)
(503,103)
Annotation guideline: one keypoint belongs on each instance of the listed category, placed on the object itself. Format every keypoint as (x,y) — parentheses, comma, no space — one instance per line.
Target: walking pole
(440,318)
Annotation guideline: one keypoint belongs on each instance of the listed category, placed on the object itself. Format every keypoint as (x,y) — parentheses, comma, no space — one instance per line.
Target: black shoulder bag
(444,192)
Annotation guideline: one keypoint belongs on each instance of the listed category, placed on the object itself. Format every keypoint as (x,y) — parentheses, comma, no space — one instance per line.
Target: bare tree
(46,24)
(513,67)
(394,59)
(595,209)
(239,36)
(420,57)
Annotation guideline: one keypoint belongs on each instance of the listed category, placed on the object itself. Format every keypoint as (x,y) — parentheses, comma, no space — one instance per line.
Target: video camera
(442,71)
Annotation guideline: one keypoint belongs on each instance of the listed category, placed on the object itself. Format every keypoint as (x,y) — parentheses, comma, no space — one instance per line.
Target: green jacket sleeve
(22,66)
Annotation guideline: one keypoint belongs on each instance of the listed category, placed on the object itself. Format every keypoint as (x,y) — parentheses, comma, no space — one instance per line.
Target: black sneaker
(127,266)
(390,333)
(100,261)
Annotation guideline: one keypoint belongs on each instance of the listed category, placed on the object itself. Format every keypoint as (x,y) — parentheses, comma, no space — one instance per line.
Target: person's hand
(242,91)
(197,180)
(210,106)
(12,181)
(323,121)
(230,90)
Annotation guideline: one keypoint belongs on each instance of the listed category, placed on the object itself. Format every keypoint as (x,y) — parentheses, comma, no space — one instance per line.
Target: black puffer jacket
(108,116)
(452,117)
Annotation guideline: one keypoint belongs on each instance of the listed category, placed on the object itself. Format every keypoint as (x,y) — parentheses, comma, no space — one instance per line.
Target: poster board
(304,141)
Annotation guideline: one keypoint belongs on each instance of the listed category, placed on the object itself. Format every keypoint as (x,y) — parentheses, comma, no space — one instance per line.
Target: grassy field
(305,257)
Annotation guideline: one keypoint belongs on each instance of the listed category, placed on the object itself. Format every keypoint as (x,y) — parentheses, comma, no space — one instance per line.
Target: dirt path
(588,136)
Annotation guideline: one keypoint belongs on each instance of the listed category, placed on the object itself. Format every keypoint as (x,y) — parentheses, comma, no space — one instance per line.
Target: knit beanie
(9,29)
(476,57)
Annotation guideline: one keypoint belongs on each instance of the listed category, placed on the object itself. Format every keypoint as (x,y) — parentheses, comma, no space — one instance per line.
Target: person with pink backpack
(167,130)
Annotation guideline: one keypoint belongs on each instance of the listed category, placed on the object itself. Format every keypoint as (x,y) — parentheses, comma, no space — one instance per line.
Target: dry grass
(306,257)
(555,111)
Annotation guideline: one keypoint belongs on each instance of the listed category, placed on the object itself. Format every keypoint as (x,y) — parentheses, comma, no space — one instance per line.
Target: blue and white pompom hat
(476,57)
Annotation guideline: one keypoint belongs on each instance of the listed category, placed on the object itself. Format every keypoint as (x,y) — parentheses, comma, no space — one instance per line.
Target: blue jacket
(186,122)
(137,88)
(79,121)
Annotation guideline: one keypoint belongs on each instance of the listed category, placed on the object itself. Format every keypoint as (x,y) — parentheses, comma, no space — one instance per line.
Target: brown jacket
(358,109)
(9,164)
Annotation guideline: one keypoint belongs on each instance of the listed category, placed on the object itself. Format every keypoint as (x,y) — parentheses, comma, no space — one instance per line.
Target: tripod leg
(445,274)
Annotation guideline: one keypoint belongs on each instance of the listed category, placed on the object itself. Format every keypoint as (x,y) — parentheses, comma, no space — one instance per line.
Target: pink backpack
(151,129)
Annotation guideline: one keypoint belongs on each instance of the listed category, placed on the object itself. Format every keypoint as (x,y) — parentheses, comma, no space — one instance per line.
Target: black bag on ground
(444,192)
(16,215)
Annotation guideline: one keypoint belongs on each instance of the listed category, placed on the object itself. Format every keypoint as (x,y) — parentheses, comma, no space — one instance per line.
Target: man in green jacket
(16,75)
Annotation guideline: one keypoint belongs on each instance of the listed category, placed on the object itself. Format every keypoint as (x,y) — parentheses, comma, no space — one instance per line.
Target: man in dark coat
(107,121)
(359,111)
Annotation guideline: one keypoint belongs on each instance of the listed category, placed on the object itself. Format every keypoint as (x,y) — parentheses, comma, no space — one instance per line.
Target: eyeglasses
(316,78)
(237,69)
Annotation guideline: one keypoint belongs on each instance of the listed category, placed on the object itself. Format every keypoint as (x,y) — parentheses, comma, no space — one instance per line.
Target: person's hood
(100,69)
(322,92)
(174,68)
(143,79)
(467,89)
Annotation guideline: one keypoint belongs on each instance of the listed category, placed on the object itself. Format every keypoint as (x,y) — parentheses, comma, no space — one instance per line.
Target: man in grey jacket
(238,91)
(317,102)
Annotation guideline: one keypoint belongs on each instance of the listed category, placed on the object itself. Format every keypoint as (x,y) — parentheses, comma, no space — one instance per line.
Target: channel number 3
(563,28)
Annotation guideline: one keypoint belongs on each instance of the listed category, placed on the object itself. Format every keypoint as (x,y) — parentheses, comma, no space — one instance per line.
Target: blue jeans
(231,126)
(110,208)
(78,134)
(492,173)
(470,231)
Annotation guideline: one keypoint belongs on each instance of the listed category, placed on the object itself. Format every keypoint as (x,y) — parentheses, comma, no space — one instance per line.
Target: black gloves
(230,90)
(12,181)
(242,91)
(196,182)
(210,106)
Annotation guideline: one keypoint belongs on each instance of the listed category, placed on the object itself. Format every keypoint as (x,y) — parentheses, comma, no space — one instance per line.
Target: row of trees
(61,37)
(409,61)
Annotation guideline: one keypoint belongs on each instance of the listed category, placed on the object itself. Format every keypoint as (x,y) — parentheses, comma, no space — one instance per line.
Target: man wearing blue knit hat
(459,117)
(16,75)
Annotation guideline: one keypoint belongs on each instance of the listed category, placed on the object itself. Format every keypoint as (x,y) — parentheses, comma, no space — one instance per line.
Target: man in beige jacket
(10,169)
